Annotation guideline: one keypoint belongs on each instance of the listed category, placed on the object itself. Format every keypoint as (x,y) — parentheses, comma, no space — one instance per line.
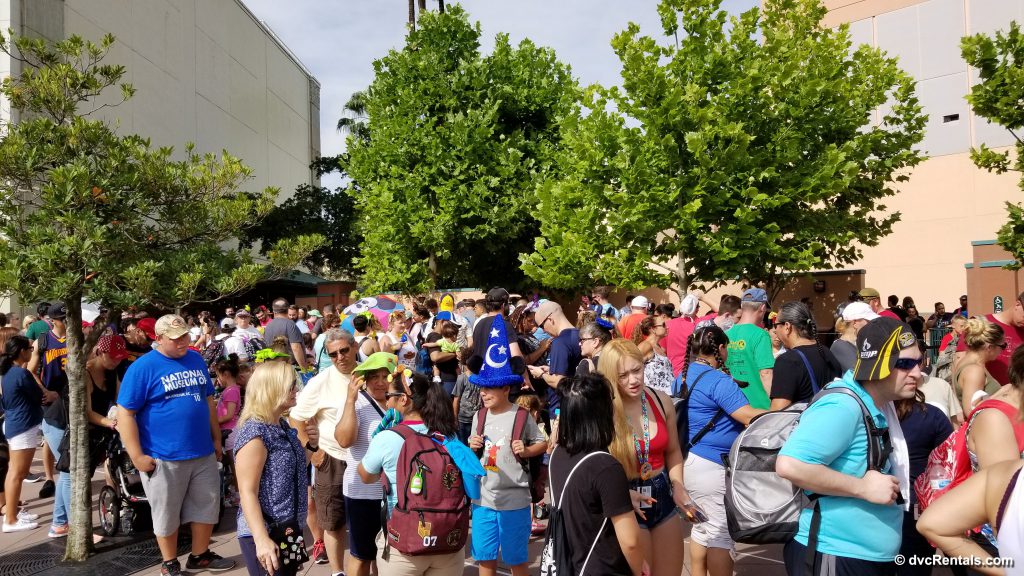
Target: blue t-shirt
(169,396)
(382,456)
(22,402)
(714,391)
(563,357)
(832,433)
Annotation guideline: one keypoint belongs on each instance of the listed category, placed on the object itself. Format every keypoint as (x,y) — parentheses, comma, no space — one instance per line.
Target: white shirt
(249,332)
(368,418)
(323,400)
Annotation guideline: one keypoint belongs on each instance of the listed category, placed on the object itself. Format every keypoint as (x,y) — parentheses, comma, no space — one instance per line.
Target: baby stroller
(123,507)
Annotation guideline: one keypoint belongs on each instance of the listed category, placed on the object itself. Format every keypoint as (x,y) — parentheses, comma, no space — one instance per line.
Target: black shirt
(917,325)
(449,369)
(598,490)
(790,379)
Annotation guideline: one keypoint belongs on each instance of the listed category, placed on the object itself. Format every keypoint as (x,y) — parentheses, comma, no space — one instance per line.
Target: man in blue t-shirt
(168,425)
(564,353)
(827,454)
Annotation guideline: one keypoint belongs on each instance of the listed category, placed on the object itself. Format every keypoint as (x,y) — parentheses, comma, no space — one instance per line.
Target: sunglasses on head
(341,351)
(908,363)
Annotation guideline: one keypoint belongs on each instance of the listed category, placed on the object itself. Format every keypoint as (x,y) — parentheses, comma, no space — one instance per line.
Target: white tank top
(1011,526)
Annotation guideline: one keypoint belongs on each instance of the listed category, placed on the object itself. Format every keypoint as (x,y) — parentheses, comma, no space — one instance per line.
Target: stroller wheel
(110,511)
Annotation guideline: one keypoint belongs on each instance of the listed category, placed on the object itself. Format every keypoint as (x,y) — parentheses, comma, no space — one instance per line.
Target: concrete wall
(948,202)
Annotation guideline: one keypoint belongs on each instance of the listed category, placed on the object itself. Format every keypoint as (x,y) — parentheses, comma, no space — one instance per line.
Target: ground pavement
(32,553)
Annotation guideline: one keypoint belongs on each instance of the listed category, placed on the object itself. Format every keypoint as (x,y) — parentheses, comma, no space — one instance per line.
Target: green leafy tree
(313,210)
(88,214)
(999,97)
(744,151)
(444,185)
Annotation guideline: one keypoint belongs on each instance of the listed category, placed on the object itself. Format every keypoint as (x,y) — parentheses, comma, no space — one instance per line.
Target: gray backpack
(762,507)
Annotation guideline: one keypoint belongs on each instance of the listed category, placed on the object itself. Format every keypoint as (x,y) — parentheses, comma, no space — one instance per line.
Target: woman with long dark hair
(23,415)
(717,411)
(806,366)
(595,506)
(426,407)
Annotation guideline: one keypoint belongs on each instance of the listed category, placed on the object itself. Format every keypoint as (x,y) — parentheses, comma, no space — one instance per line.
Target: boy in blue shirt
(827,455)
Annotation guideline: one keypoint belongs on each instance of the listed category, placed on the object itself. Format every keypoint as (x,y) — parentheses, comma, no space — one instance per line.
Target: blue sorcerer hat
(496,370)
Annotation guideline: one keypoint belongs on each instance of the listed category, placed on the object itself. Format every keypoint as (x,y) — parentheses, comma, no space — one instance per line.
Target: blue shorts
(664,506)
(363,526)
(505,529)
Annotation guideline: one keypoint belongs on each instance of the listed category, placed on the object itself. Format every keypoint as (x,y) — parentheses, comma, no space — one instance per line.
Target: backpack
(950,461)
(252,345)
(533,466)
(423,363)
(762,507)
(556,558)
(436,520)
(213,352)
(944,361)
(681,402)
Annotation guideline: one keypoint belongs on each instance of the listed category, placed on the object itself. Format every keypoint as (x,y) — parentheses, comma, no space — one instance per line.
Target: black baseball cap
(878,347)
(57,311)
(497,294)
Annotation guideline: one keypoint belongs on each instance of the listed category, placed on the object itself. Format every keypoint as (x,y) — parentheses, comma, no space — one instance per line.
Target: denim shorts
(664,507)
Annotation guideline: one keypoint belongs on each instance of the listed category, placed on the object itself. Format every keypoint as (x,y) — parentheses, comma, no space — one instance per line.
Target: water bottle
(938,477)
(416,485)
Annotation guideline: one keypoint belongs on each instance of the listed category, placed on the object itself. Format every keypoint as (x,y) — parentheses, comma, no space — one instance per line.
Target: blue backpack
(423,363)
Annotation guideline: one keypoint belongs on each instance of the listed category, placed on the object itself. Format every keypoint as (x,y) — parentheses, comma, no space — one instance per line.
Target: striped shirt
(368,418)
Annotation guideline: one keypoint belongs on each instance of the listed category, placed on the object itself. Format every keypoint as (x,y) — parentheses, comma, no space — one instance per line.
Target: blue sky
(338,41)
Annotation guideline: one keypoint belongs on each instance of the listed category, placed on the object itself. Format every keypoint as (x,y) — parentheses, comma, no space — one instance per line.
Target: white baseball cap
(639,302)
(858,311)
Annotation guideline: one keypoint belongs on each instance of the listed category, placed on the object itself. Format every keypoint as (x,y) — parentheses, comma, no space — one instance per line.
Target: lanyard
(643,449)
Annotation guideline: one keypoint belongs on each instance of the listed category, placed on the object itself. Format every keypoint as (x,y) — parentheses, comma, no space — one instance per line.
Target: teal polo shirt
(832,433)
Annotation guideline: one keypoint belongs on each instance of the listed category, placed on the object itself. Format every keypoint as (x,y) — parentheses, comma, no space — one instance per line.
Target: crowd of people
(399,446)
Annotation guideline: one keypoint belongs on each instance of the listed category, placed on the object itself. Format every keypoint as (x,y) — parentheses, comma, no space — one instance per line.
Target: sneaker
(32,478)
(171,568)
(20,526)
(27,516)
(57,531)
(48,489)
(319,552)
(209,560)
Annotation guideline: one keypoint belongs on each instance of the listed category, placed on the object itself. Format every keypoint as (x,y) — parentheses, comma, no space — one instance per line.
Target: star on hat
(496,370)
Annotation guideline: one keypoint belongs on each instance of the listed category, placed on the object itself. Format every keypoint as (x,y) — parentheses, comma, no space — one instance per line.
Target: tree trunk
(79,543)
(440,6)
(422,5)
(432,266)
(682,280)
(412,14)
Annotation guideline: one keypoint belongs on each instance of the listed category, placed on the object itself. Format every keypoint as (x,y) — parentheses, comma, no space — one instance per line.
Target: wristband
(312,448)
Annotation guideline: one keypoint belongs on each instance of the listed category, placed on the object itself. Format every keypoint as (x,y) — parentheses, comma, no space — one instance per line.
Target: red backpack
(949,463)
(431,515)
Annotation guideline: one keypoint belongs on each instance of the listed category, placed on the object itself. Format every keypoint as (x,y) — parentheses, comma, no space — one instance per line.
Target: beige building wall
(948,202)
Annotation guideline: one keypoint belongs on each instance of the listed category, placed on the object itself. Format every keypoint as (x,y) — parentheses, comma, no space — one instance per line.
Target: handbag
(287,534)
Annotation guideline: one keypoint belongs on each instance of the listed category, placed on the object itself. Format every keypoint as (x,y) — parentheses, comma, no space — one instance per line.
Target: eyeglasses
(395,394)
(341,351)
(908,363)
(591,338)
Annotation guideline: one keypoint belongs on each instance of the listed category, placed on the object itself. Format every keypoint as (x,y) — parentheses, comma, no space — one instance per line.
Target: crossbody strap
(691,442)
(372,402)
(810,371)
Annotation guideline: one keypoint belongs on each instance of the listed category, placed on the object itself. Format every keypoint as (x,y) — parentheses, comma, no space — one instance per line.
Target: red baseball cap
(113,345)
(148,327)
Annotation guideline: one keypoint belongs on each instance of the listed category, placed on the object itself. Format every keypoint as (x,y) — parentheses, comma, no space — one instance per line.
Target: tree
(313,210)
(745,151)
(88,214)
(458,140)
(354,121)
(999,97)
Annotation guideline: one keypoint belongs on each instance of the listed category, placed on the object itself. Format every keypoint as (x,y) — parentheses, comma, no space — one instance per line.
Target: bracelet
(312,448)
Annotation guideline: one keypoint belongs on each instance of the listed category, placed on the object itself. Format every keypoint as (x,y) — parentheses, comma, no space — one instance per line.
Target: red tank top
(659,443)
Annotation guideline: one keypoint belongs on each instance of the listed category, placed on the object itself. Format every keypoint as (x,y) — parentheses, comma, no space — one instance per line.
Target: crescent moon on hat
(491,363)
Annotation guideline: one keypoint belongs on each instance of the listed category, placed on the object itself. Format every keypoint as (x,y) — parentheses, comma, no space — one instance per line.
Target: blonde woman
(397,342)
(270,465)
(646,443)
(971,380)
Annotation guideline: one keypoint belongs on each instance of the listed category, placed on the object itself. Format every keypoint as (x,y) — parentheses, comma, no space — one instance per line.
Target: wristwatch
(312,448)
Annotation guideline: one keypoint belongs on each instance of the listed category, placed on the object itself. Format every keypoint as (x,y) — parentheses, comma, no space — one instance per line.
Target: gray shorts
(183,491)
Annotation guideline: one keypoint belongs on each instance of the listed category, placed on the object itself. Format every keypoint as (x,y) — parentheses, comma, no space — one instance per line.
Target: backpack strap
(481,418)
(555,500)
(711,423)
(42,344)
(518,429)
(810,371)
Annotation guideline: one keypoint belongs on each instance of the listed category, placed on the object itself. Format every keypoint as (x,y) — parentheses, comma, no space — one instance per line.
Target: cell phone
(692,513)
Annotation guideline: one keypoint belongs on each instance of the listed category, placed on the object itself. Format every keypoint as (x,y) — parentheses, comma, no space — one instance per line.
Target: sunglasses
(341,351)
(908,363)
(395,394)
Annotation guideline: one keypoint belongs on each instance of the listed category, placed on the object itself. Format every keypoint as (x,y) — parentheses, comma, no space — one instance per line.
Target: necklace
(643,450)
(703,361)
